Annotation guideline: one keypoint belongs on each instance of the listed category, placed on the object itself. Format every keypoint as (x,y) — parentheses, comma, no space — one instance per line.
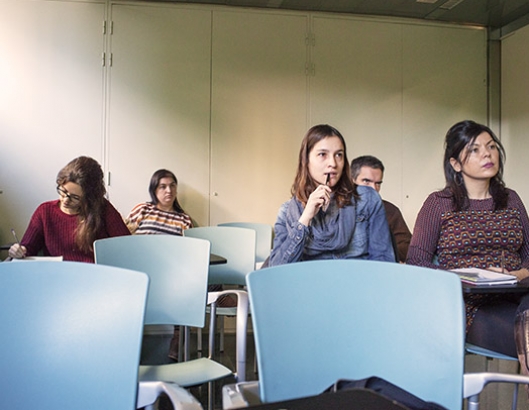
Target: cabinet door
(357,87)
(444,82)
(51,99)
(515,109)
(259,112)
(159,103)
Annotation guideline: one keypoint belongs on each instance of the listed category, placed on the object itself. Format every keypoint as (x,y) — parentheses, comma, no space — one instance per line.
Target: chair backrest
(319,321)
(70,335)
(263,238)
(237,245)
(177,268)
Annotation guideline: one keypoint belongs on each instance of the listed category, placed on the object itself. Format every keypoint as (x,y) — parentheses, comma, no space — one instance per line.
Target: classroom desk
(217,259)
(213,258)
(520,287)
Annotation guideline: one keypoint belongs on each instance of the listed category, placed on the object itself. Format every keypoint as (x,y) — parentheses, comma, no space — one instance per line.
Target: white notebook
(476,276)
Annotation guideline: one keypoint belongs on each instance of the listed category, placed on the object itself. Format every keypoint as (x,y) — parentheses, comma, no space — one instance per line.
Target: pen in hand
(15,236)
(326,204)
(17,242)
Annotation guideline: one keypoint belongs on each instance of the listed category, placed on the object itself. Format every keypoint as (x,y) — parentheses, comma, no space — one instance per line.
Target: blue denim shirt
(371,238)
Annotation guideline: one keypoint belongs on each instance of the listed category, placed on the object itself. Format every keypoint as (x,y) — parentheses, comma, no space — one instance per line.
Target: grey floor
(155,348)
(497,396)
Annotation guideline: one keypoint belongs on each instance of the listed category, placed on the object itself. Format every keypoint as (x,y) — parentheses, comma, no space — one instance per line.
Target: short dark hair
(365,161)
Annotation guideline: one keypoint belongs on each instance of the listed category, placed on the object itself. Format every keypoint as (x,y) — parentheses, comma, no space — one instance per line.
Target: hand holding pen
(318,200)
(17,251)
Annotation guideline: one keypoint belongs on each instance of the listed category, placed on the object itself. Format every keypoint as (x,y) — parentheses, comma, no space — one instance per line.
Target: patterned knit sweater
(146,219)
(476,237)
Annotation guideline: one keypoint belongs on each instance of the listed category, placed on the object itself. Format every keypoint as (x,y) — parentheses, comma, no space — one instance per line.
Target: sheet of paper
(478,276)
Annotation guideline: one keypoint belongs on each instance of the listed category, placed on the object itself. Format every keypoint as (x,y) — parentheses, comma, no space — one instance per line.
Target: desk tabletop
(217,259)
(520,287)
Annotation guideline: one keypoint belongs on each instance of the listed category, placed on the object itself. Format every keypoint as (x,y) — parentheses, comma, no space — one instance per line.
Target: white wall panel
(159,103)
(515,110)
(357,87)
(444,81)
(51,99)
(259,112)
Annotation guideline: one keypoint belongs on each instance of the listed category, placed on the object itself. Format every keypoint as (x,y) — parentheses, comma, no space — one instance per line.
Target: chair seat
(185,374)
(224,311)
(470,348)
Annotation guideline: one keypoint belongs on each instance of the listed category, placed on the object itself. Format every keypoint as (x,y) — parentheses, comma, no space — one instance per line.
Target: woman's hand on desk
(17,251)
(520,274)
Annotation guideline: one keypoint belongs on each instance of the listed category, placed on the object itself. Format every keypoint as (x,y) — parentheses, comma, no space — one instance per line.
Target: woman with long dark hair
(163,214)
(69,226)
(477,222)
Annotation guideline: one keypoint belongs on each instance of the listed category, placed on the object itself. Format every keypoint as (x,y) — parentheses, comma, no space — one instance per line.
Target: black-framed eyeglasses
(65,194)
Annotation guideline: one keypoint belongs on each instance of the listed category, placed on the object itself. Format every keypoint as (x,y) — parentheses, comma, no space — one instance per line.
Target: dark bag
(388,390)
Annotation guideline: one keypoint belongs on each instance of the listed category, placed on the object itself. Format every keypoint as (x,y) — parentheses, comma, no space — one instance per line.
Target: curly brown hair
(87,173)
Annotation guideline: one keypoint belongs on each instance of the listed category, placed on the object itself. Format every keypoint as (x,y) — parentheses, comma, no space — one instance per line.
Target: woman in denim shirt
(328,217)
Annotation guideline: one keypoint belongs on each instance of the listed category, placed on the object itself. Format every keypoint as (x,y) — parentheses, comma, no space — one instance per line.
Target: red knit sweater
(53,232)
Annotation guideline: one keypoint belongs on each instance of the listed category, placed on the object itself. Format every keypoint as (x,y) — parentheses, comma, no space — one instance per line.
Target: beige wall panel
(515,110)
(356,87)
(159,103)
(444,81)
(258,112)
(51,98)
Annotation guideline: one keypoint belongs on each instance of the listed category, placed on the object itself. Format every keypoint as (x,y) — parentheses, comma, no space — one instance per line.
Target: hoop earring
(458,178)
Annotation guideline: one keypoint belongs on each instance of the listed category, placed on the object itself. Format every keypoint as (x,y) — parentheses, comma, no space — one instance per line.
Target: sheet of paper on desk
(39,258)
(476,276)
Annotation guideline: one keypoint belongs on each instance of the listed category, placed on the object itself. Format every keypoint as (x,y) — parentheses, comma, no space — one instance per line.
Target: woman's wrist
(520,274)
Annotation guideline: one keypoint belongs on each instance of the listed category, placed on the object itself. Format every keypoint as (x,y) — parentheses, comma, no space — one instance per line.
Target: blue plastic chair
(237,245)
(263,239)
(71,336)
(399,322)
(178,272)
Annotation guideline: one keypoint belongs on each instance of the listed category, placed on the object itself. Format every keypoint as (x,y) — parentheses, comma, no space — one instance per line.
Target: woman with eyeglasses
(69,226)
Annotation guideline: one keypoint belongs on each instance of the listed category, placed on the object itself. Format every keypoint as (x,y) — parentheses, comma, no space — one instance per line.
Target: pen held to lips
(326,203)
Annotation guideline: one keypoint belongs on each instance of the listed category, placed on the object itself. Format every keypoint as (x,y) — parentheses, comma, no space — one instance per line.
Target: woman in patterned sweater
(475,221)
(163,215)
